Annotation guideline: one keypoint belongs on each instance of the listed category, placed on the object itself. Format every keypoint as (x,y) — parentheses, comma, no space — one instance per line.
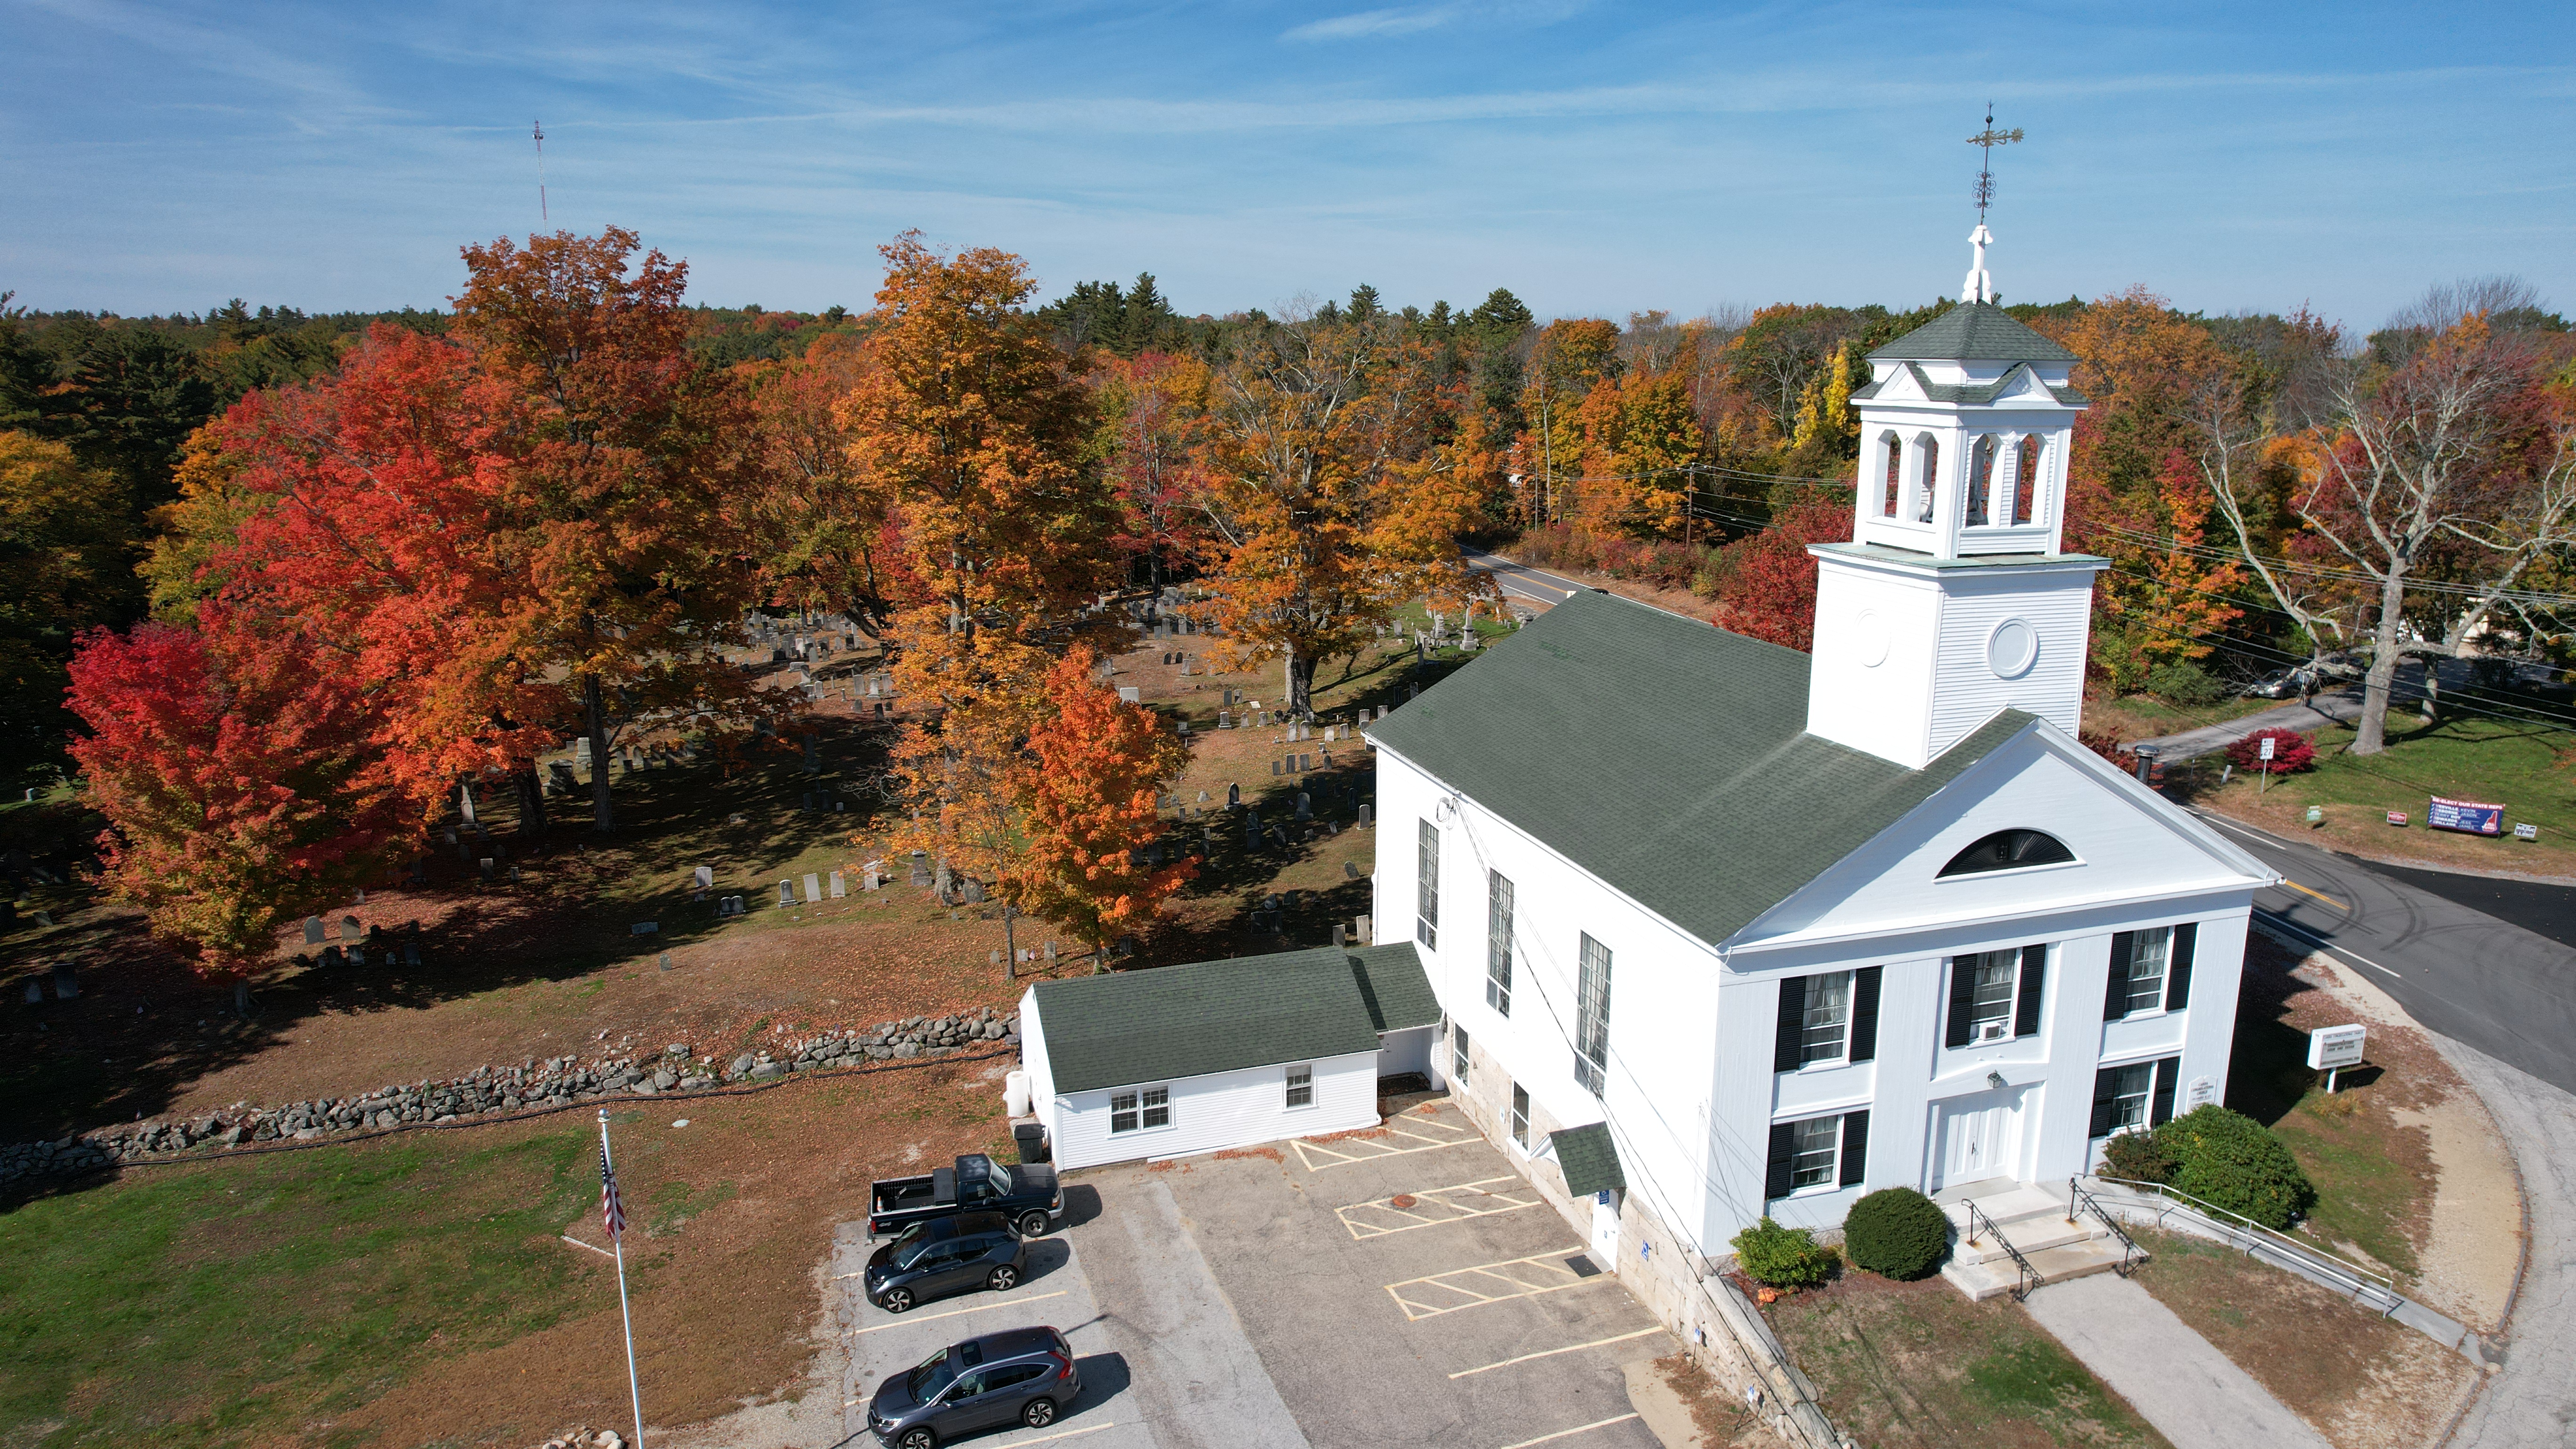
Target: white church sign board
(2332,1048)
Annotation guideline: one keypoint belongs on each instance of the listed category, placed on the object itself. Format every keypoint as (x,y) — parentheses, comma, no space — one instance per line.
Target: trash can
(1015,1094)
(1031,1139)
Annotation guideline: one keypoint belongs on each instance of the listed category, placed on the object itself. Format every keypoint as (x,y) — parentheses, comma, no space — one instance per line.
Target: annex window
(2137,1095)
(2150,970)
(1301,1085)
(1520,1115)
(1817,1154)
(1995,995)
(1827,1019)
(2008,850)
(1927,470)
(1140,1109)
(1458,1053)
(1981,481)
(1426,884)
(1498,941)
(1592,1017)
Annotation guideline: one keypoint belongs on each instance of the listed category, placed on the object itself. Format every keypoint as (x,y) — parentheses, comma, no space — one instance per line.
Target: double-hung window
(1990,1005)
(1301,1085)
(1592,1017)
(1140,1109)
(1498,942)
(1520,1115)
(2134,1096)
(1457,1052)
(1995,995)
(1426,884)
(2132,1087)
(2150,970)
(1817,1154)
(1826,1028)
(1815,1151)
(1827,1019)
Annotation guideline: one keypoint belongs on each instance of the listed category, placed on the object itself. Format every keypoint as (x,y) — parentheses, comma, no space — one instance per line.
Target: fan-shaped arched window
(2008,850)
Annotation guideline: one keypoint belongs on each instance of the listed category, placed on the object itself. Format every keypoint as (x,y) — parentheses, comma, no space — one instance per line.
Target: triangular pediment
(2023,384)
(2127,844)
(1905,384)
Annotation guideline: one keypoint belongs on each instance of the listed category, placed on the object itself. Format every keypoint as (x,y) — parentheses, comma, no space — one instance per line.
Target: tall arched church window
(2026,480)
(1927,468)
(1981,480)
(2008,850)
(1894,447)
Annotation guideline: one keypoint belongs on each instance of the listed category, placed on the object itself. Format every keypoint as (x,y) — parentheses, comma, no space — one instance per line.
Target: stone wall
(495,1091)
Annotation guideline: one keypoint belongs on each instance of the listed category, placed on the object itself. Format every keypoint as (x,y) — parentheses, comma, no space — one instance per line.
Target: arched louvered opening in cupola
(2008,850)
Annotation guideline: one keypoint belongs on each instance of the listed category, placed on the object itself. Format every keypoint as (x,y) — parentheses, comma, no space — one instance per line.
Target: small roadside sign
(2265,747)
(2525,832)
(2332,1048)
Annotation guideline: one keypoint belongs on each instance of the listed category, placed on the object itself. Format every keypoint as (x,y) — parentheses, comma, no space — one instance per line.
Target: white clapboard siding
(1217,1111)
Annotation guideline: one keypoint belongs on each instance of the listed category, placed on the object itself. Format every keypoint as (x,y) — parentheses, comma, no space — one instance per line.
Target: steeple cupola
(1953,601)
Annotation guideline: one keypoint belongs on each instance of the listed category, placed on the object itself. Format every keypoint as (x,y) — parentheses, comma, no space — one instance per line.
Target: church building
(1719,930)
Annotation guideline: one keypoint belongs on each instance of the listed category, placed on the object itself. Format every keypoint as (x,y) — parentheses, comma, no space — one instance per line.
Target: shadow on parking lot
(1044,1256)
(1104,1377)
(1081,1204)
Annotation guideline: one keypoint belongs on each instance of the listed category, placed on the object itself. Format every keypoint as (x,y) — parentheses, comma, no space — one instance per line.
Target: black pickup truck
(1026,1194)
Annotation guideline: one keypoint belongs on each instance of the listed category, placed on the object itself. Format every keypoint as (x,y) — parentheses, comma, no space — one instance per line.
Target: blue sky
(1596,159)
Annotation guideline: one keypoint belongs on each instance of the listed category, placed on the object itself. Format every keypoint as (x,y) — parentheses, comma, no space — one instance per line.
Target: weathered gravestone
(703,878)
(813,889)
(840,888)
(787,893)
(313,930)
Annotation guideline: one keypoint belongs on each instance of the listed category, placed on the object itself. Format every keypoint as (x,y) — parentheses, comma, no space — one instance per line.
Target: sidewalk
(2169,1374)
(2341,707)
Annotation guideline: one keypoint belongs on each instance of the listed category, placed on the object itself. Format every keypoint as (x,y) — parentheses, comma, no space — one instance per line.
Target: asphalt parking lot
(1281,1299)
(1469,1317)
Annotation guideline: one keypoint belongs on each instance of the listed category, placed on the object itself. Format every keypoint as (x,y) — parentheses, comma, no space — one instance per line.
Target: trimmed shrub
(2185,683)
(2230,1160)
(1896,1232)
(1779,1257)
(2139,1157)
(2291,750)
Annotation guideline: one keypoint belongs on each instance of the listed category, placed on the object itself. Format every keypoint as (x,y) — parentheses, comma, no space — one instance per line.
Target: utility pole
(542,214)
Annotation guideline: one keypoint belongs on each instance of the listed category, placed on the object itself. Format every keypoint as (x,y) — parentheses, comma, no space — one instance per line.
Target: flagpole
(634,1389)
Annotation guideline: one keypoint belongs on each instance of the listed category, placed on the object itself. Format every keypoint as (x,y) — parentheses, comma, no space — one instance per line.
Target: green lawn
(2523,766)
(235,1304)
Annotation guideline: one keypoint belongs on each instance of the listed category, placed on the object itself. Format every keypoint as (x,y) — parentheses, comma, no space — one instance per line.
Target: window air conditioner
(1992,1030)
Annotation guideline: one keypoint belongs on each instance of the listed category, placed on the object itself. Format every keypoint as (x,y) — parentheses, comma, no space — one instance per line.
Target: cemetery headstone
(1129,694)
(487,863)
(1364,817)
(645,928)
(703,878)
(411,952)
(348,928)
(840,888)
(974,891)
(312,930)
(813,889)
(332,956)
(787,893)
(35,988)
(1305,806)
(66,981)
(1350,870)
(1233,796)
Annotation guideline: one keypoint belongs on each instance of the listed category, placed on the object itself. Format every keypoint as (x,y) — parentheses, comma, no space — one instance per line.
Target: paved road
(2507,991)
(1520,581)
(2341,707)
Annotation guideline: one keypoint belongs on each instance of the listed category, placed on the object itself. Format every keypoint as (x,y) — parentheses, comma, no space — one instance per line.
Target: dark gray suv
(950,1255)
(1018,1376)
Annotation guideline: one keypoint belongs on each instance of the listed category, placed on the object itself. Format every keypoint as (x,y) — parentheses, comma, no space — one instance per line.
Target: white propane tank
(1015,1094)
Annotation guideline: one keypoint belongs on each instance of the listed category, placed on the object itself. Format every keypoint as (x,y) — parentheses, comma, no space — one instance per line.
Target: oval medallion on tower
(1869,638)
(2012,649)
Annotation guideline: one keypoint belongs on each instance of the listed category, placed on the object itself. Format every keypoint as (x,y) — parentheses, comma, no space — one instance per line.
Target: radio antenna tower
(541,169)
(1989,139)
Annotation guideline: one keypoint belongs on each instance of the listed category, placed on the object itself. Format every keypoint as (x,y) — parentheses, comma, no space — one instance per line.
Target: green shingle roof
(1589,1158)
(1973,332)
(1221,1016)
(1668,757)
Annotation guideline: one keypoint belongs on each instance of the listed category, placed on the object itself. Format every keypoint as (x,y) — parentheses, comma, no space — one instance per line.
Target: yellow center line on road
(1570,1433)
(2314,895)
(1552,1352)
(954,1312)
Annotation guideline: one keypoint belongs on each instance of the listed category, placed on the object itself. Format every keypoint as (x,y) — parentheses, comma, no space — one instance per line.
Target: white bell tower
(1952,600)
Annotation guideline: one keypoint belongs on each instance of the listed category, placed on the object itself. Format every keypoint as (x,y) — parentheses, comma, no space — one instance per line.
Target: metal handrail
(2364,1279)
(2130,1252)
(2030,1276)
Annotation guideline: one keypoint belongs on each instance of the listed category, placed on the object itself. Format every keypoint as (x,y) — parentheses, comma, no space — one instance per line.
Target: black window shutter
(1775,1182)
(1793,1021)
(1963,997)
(1864,1013)
(1855,1147)
(2103,1082)
(2160,1111)
(2034,971)
(2115,992)
(2178,972)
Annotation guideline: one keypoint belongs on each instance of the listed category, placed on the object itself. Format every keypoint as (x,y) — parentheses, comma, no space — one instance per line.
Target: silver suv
(1017,1376)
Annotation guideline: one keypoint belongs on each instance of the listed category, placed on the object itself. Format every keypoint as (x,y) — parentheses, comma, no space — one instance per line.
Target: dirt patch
(2359,1379)
(1233,1154)
(1918,1366)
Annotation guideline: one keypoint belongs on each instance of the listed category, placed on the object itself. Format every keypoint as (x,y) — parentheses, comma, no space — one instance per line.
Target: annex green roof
(1589,1159)
(1973,332)
(1169,1022)
(1666,756)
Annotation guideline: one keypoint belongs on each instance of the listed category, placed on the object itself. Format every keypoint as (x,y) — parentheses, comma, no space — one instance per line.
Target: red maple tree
(1769,578)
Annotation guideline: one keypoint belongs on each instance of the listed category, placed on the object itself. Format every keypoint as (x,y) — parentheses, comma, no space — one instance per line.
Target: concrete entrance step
(2033,1222)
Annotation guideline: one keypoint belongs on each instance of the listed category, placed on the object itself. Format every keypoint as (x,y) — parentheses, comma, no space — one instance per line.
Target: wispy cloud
(1402,20)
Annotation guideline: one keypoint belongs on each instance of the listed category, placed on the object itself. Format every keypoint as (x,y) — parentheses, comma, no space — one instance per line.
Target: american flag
(611,1211)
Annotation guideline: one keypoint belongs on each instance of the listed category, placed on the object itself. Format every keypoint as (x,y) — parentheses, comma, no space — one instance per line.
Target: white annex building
(1779,929)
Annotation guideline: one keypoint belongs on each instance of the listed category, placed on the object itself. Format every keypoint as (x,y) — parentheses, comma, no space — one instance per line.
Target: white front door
(1605,1228)
(1980,1138)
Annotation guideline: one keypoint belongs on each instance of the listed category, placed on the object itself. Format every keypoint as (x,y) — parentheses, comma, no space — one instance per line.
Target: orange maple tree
(1094,768)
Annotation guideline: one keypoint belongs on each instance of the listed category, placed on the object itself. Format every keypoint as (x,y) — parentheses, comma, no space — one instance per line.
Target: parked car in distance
(946,1255)
(1026,1194)
(1017,1376)
(2284,684)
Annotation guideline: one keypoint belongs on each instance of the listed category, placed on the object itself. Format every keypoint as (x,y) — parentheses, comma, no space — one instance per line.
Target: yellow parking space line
(2314,895)
(1570,1433)
(1307,1151)
(1553,1352)
(1013,1302)
(1460,1202)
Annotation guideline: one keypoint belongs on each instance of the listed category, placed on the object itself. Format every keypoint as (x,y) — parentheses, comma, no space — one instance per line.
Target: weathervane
(1979,287)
